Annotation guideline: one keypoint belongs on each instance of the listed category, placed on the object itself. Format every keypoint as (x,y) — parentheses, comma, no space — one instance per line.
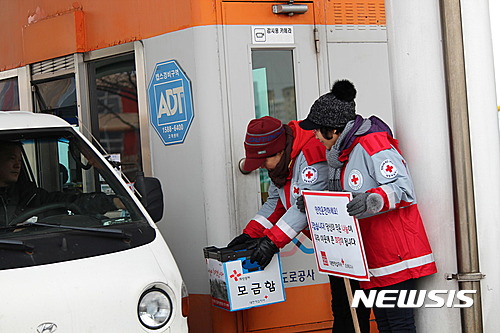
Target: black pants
(396,320)
(341,309)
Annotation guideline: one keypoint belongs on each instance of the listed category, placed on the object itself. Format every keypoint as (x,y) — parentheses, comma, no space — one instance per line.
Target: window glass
(55,165)
(57,96)
(115,111)
(274,92)
(274,86)
(9,95)
(49,202)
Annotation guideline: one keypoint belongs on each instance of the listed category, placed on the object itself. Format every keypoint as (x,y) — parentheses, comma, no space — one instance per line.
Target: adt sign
(170,102)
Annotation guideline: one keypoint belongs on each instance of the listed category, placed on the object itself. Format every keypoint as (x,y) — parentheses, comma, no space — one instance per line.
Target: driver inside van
(16,198)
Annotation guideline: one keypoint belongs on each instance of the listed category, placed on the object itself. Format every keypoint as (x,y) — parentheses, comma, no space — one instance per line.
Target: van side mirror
(151,195)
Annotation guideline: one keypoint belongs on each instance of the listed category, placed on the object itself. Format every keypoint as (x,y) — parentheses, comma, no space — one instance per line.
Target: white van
(78,251)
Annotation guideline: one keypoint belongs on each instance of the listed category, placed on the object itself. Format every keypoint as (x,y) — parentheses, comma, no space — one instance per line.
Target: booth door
(272,69)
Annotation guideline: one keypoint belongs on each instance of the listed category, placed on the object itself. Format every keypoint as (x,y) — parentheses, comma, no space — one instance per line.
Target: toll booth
(255,63)
(169,87)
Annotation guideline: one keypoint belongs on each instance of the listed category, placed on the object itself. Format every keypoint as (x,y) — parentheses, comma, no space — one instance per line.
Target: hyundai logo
(46,328)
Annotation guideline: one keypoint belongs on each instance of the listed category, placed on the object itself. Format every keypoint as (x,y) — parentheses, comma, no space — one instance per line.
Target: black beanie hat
(333,109)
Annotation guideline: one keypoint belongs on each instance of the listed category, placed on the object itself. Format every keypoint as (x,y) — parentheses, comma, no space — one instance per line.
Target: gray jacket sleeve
(293,221)
(384,173)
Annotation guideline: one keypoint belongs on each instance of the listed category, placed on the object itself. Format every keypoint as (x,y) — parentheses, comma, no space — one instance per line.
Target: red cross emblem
(355,179)
(235,275)
(309,175)
(296,190)
(388,169)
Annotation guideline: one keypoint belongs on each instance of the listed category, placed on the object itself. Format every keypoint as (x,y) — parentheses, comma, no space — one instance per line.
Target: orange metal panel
(307,308)
(205,318)
(301,312)
(60,34)
(35,30)
(355,12)
(116,22)
(255,13)
(45,29)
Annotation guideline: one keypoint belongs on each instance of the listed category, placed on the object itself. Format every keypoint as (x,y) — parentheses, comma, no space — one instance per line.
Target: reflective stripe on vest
(263,221)
(287,230)
(401,266)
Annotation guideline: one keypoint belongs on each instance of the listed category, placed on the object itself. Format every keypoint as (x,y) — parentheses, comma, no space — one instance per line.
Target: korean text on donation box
(336,237)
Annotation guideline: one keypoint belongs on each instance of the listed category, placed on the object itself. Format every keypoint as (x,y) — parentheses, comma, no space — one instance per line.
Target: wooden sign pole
(354,314)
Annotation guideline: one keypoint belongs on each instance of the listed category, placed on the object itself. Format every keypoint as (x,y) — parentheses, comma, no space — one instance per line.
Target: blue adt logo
(170,102)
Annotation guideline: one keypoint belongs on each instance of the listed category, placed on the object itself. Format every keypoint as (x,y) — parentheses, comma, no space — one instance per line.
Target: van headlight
(155,308)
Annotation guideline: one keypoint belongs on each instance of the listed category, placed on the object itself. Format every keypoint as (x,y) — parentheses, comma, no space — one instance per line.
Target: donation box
(238,284)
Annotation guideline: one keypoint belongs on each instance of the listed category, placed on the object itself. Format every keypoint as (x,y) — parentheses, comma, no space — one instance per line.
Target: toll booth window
(274,91)
(57,96)
(115,111)
(9,95)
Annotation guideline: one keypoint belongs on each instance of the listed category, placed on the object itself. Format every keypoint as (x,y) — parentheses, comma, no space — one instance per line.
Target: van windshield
(54,187)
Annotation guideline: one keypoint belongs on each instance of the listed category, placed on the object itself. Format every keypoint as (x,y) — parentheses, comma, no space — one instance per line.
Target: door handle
(240,166)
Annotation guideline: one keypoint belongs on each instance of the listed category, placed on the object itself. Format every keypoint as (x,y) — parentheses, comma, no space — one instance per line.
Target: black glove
(365,202)
(264,251)
(300,204)
(241,239)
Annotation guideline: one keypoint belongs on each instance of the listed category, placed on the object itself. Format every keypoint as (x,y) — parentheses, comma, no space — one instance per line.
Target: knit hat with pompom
(334,109)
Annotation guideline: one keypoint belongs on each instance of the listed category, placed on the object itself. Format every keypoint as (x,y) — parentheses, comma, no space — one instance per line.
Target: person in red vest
(365,159)
(295,160)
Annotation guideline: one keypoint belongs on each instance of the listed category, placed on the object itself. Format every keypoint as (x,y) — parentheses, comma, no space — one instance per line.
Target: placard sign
(336,237)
